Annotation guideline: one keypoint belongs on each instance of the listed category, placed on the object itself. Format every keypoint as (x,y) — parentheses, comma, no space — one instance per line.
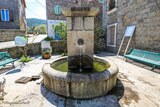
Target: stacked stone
(9,35)
(80,27)
(145,14)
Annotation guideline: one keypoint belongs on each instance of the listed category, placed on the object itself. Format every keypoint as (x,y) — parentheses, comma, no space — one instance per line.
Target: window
(111,5)
(5,15)
(111,35)
(57,10)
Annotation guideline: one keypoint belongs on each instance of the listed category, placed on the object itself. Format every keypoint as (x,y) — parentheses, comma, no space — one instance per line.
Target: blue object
(57,9)
(146,57)
(101,1)
(21,41)
(5,59)
(5,15)
(57,37)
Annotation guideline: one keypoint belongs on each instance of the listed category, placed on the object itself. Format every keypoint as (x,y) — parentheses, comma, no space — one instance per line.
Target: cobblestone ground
(136,87)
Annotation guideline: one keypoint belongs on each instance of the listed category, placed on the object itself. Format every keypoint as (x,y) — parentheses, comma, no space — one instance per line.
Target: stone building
(12,19)
(54,8)
(144,14)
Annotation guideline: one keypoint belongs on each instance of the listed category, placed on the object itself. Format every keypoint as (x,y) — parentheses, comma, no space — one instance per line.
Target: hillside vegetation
(36,26)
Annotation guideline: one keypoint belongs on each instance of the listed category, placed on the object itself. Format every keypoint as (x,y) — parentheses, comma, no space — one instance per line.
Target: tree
(41,29)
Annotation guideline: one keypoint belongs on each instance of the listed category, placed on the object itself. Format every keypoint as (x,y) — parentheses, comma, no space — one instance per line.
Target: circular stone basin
(62,65)
(80,85)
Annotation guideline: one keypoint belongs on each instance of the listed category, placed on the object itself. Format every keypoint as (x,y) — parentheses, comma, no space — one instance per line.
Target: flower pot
(46,56)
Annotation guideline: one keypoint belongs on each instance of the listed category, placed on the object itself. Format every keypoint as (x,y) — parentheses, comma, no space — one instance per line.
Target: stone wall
(145,14)
(35,49)
(112,18)
(66,3)
(9,35)
(12,6)
(22,14)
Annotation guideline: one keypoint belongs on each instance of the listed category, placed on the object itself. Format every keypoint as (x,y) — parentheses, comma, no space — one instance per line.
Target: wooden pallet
(23,80)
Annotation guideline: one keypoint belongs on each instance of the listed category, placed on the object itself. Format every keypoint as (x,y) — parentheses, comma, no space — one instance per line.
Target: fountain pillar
(80,36)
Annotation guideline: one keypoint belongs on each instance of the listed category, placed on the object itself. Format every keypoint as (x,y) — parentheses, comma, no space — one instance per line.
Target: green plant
(64,54)
(40,29)
(25,58)
(99,38)
(48,38)
(46,52)
(60,30)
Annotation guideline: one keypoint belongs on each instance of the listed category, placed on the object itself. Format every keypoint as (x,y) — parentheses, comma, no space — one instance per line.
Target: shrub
(48,38)
(25,58)
(41,29)
(99,38)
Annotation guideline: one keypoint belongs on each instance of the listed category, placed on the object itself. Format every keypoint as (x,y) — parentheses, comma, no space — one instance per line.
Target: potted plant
(46,47)
(46,53)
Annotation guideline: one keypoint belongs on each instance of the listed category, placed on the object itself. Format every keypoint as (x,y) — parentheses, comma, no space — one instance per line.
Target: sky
(36,9)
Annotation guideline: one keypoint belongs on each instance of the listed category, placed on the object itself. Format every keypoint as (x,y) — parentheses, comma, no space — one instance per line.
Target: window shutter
(11,15)
(57,9)
(0,15)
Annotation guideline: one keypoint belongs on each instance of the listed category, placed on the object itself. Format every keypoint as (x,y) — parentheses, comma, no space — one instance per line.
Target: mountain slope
(35,22)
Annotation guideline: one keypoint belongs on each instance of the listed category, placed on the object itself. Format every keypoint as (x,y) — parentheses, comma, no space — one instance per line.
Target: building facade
(144,14)
(12,19)
(54,8)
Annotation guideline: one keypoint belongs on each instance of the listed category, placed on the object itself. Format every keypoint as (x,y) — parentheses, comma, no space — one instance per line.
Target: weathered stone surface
(81,86)
(89,23)
(81,27)
(9,35)
(69,25)
(80,11)
(35,49)
(77,23)
(145,15)
(17,14)
(73,36)
(80,62)
(132,81)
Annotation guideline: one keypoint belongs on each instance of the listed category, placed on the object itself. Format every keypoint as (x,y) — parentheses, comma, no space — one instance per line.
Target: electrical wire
(40,4)
(33,12)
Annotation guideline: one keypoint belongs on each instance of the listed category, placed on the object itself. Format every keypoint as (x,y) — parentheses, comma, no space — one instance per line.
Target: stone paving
(136,87)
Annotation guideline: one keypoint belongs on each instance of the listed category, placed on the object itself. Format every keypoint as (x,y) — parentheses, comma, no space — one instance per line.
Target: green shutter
(57,9)
(101,1)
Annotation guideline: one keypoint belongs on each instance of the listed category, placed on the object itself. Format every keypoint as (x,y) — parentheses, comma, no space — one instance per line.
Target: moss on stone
(62,65)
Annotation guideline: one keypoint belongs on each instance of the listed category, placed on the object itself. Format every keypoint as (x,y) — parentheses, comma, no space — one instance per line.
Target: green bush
(25,58)
(41,29)
(48,38)
(64,54)
(99,38)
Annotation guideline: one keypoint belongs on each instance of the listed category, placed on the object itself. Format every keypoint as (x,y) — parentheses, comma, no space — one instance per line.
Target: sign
(129,31)
(51,32)
(45,44)
(21,41)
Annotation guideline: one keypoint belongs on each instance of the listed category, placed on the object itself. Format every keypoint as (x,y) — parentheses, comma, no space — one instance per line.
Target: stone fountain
(76,83)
